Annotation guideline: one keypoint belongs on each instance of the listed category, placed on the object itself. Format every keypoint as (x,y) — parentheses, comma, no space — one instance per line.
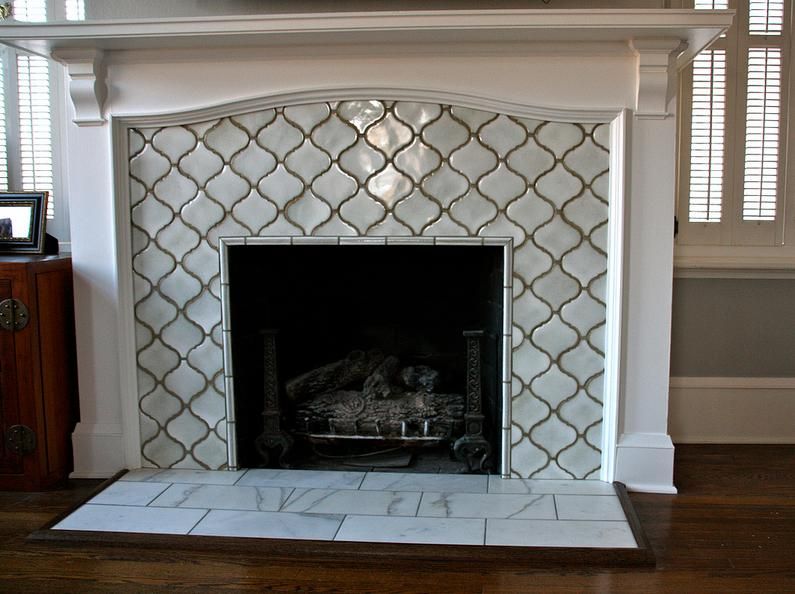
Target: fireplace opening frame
(504,338)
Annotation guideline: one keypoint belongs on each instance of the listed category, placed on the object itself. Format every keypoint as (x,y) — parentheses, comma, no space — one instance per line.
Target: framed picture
(22,222)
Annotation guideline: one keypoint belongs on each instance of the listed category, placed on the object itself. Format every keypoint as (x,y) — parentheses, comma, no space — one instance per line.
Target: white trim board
(732,410)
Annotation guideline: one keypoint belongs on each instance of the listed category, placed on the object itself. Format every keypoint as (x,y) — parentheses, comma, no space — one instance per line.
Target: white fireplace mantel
(664,40)
(598,62)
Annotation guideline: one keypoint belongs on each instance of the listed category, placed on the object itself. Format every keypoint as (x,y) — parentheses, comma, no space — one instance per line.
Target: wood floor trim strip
(644,545)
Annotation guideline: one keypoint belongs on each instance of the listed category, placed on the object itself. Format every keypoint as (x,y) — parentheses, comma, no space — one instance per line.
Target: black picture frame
(22,222)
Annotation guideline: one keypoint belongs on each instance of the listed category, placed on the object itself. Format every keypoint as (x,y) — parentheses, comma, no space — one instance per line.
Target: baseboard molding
(98,450)
(645,462)
(742,410)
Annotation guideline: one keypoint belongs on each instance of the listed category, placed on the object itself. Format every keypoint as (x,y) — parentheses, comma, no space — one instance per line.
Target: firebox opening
(357,344)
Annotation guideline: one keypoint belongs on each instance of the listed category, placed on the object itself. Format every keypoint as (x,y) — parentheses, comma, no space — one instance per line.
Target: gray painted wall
(733,328)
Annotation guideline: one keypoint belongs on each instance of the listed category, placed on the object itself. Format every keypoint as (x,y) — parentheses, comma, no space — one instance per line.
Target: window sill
(734,262)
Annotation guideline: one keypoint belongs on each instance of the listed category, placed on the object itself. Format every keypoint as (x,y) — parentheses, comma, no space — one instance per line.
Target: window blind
(766,17)
(3,134)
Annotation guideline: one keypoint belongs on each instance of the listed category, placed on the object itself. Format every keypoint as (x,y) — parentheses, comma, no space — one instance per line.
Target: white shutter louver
(75,10)
(766,17)
(708,121)
(3,135)
(763,115)
(35,126)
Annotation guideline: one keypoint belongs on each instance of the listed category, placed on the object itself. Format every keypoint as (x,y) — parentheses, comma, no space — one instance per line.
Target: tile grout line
(555,505)
(158,495)
(419,504)
(204,515)
(339,527)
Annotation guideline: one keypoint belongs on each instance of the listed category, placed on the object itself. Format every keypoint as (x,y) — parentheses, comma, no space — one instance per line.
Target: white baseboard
(645,462)
(98,450)
(732,410)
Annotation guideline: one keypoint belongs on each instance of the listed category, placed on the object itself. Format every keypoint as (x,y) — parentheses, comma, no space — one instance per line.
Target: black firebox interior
(325,301)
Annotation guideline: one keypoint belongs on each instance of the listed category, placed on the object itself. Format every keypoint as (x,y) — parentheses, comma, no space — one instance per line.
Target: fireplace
(370,349)
(150,337)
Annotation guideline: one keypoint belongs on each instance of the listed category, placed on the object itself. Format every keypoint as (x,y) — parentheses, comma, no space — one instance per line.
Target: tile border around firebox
(505,243)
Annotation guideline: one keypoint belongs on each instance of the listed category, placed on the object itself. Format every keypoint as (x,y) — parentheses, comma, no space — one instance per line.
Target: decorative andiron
(472,447)
(272,438)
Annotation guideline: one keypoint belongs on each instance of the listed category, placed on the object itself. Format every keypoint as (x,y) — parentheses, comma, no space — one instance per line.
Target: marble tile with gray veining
(399,481)
(224,497)
(308,479)
(589,507)
(331,501)
(476,505)
(125,518)
(541,486)
(451,531)
(268,525)
(559,533)
(129,493)
(206,477)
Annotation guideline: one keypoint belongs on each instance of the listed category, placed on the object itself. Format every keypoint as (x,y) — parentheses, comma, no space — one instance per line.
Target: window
(733,128)
(28,122)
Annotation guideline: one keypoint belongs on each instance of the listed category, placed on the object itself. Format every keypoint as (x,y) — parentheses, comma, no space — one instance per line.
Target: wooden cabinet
(38,383)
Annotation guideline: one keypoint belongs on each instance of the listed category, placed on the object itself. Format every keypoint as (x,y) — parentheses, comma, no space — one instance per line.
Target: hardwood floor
(730,529)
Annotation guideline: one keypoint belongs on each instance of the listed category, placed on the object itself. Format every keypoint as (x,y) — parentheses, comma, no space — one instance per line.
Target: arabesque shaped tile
(174,142)
(164,449)
(529,362)
(554,337)
(179,286)
(209,406)
(158,359)
(598,237)
(335,227)
(138,192)
(362,212)
(182,335)
(174,190)
(530,211)
(307,117)
(389,185)
(151,215)
(201,165)
(334,136)
(584,313)
(557,237)
(586,212)
(417,211)
(556,288)
(528,409)
(584,263)
(417,115)
(153,263)
(202,262)
(160,404)
(179,238)
(226,139)
(527,458)
(390,226)
(443,226)
(148,166)
(473,211)
(502,186)
(254,121)
(582,460)
(253,163)
(554,434)
(308,162)
(473,118)
(228,188)
(335,186)
(187,428)
(501,226)
(582,362)
(445,134)
(255,212)
(360,114)
(445,185)
(531,160)
(202,213)
(473,160)
(581,411)
(229,227)
(135,143)
(280,137)
(559,137)
(587,160)
(554,386)
(210,452)
(417,160)
(558,186)
(361,161)
(184,382)
(389,135)
(503,135)
(308,212)
(280,187)
(205,311)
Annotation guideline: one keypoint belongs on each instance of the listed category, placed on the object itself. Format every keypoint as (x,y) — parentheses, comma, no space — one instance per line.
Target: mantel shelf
(400,28)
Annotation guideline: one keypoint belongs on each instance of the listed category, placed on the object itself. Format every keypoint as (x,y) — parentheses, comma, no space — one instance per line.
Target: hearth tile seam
(206,513)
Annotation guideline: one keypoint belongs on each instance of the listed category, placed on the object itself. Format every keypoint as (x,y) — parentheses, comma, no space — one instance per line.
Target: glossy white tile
(124,518)
(412,530)
(224,497)
(472,505)
(559,533)
(332,501)
(398,481)
(268,525)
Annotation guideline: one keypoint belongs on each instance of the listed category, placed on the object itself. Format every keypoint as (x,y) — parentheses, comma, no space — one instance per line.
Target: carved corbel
(86,84)
(656,75)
